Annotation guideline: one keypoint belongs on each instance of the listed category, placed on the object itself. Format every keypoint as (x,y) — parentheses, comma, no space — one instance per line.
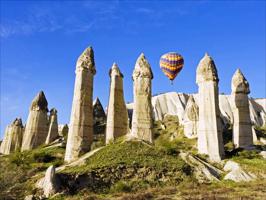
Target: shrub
(43,157)
(121,186)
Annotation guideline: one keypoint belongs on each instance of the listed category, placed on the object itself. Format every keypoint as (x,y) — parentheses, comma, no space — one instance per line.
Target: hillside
(169,169)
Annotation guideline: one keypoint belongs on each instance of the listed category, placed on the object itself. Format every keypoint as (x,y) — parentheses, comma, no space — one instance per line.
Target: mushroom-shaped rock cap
(86,60)
(239,83)
(53,111)
(115,71)
(17,122)
(39,102)
(142,68)
(206,70)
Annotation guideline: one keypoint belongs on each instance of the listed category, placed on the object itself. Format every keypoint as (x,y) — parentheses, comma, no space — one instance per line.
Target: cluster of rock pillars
(42,128)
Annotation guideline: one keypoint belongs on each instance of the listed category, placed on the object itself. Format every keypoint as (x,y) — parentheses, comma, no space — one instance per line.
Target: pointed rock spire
(13,137)
(86,60)
(115,71)
(37,124)
(39,102)
(80,135)
(53,127)
(242,126)
(142,121)
(117,116)
(206,70)
(142,68)
(210,139)
(239,83)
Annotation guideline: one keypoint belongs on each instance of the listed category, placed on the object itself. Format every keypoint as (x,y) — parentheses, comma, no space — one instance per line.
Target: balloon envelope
(171,64)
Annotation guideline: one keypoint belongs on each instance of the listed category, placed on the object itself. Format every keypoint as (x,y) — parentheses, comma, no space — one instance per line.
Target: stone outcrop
(53,127)
(13,137)
(37,123)
(99,118)
(236,173)
(142,121)
(173,103)
(242,128)
(210,139)
(80,136)
(191,118)
(117,116)
(50,183)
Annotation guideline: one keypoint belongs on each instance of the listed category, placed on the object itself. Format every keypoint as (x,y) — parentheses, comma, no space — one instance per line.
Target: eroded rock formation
(242,128)
(210,139)
(37,123)
(142,121)
(13,137)
(99,118)
(117,116)
(80,135)
(191,118)
(53,127)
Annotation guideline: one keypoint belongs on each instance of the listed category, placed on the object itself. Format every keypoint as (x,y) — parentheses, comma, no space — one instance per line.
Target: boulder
(236,173)
(50,184)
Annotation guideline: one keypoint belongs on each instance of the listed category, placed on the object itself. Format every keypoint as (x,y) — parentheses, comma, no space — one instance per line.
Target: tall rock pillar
(142,122)
(242,129)
(117,116)
(13,137)
(53,127)
(210,139)
(80,136)
(37,124)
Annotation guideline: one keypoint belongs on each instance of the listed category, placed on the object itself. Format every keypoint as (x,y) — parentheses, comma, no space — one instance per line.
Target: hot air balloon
(171,64)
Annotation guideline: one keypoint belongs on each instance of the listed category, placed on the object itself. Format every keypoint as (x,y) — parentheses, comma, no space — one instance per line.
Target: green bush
(121,186)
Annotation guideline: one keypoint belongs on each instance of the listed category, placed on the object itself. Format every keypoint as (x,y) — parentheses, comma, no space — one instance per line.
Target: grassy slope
(19,170)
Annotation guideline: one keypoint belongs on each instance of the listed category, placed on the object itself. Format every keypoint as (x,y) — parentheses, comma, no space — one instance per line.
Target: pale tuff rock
(50,183)
(37,124)
(13,137)
(142,122)
(117,116)
(174,103)
(210,139)
(203,171)
(191,118)
(99,118)
(236,173)
(63,130)
(53,127)
(80,135)
(242,129)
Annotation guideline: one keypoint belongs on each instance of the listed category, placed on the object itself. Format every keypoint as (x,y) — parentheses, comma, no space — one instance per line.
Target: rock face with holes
(142,121)
(80,136)
(210,139)
(12,138)
(242,128)
(117,116)
(37,123)
(53,127)
(191,118)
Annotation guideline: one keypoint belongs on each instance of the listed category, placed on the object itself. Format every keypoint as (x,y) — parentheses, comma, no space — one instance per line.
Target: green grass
(17,170)
(129,153)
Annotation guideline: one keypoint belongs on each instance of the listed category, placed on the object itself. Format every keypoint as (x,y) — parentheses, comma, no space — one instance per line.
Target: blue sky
(41,41)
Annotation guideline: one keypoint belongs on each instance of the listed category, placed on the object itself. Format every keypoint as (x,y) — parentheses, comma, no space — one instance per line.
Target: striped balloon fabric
(171,64)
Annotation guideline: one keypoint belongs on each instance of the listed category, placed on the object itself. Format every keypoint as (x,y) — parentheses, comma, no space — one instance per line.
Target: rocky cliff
(174,103)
